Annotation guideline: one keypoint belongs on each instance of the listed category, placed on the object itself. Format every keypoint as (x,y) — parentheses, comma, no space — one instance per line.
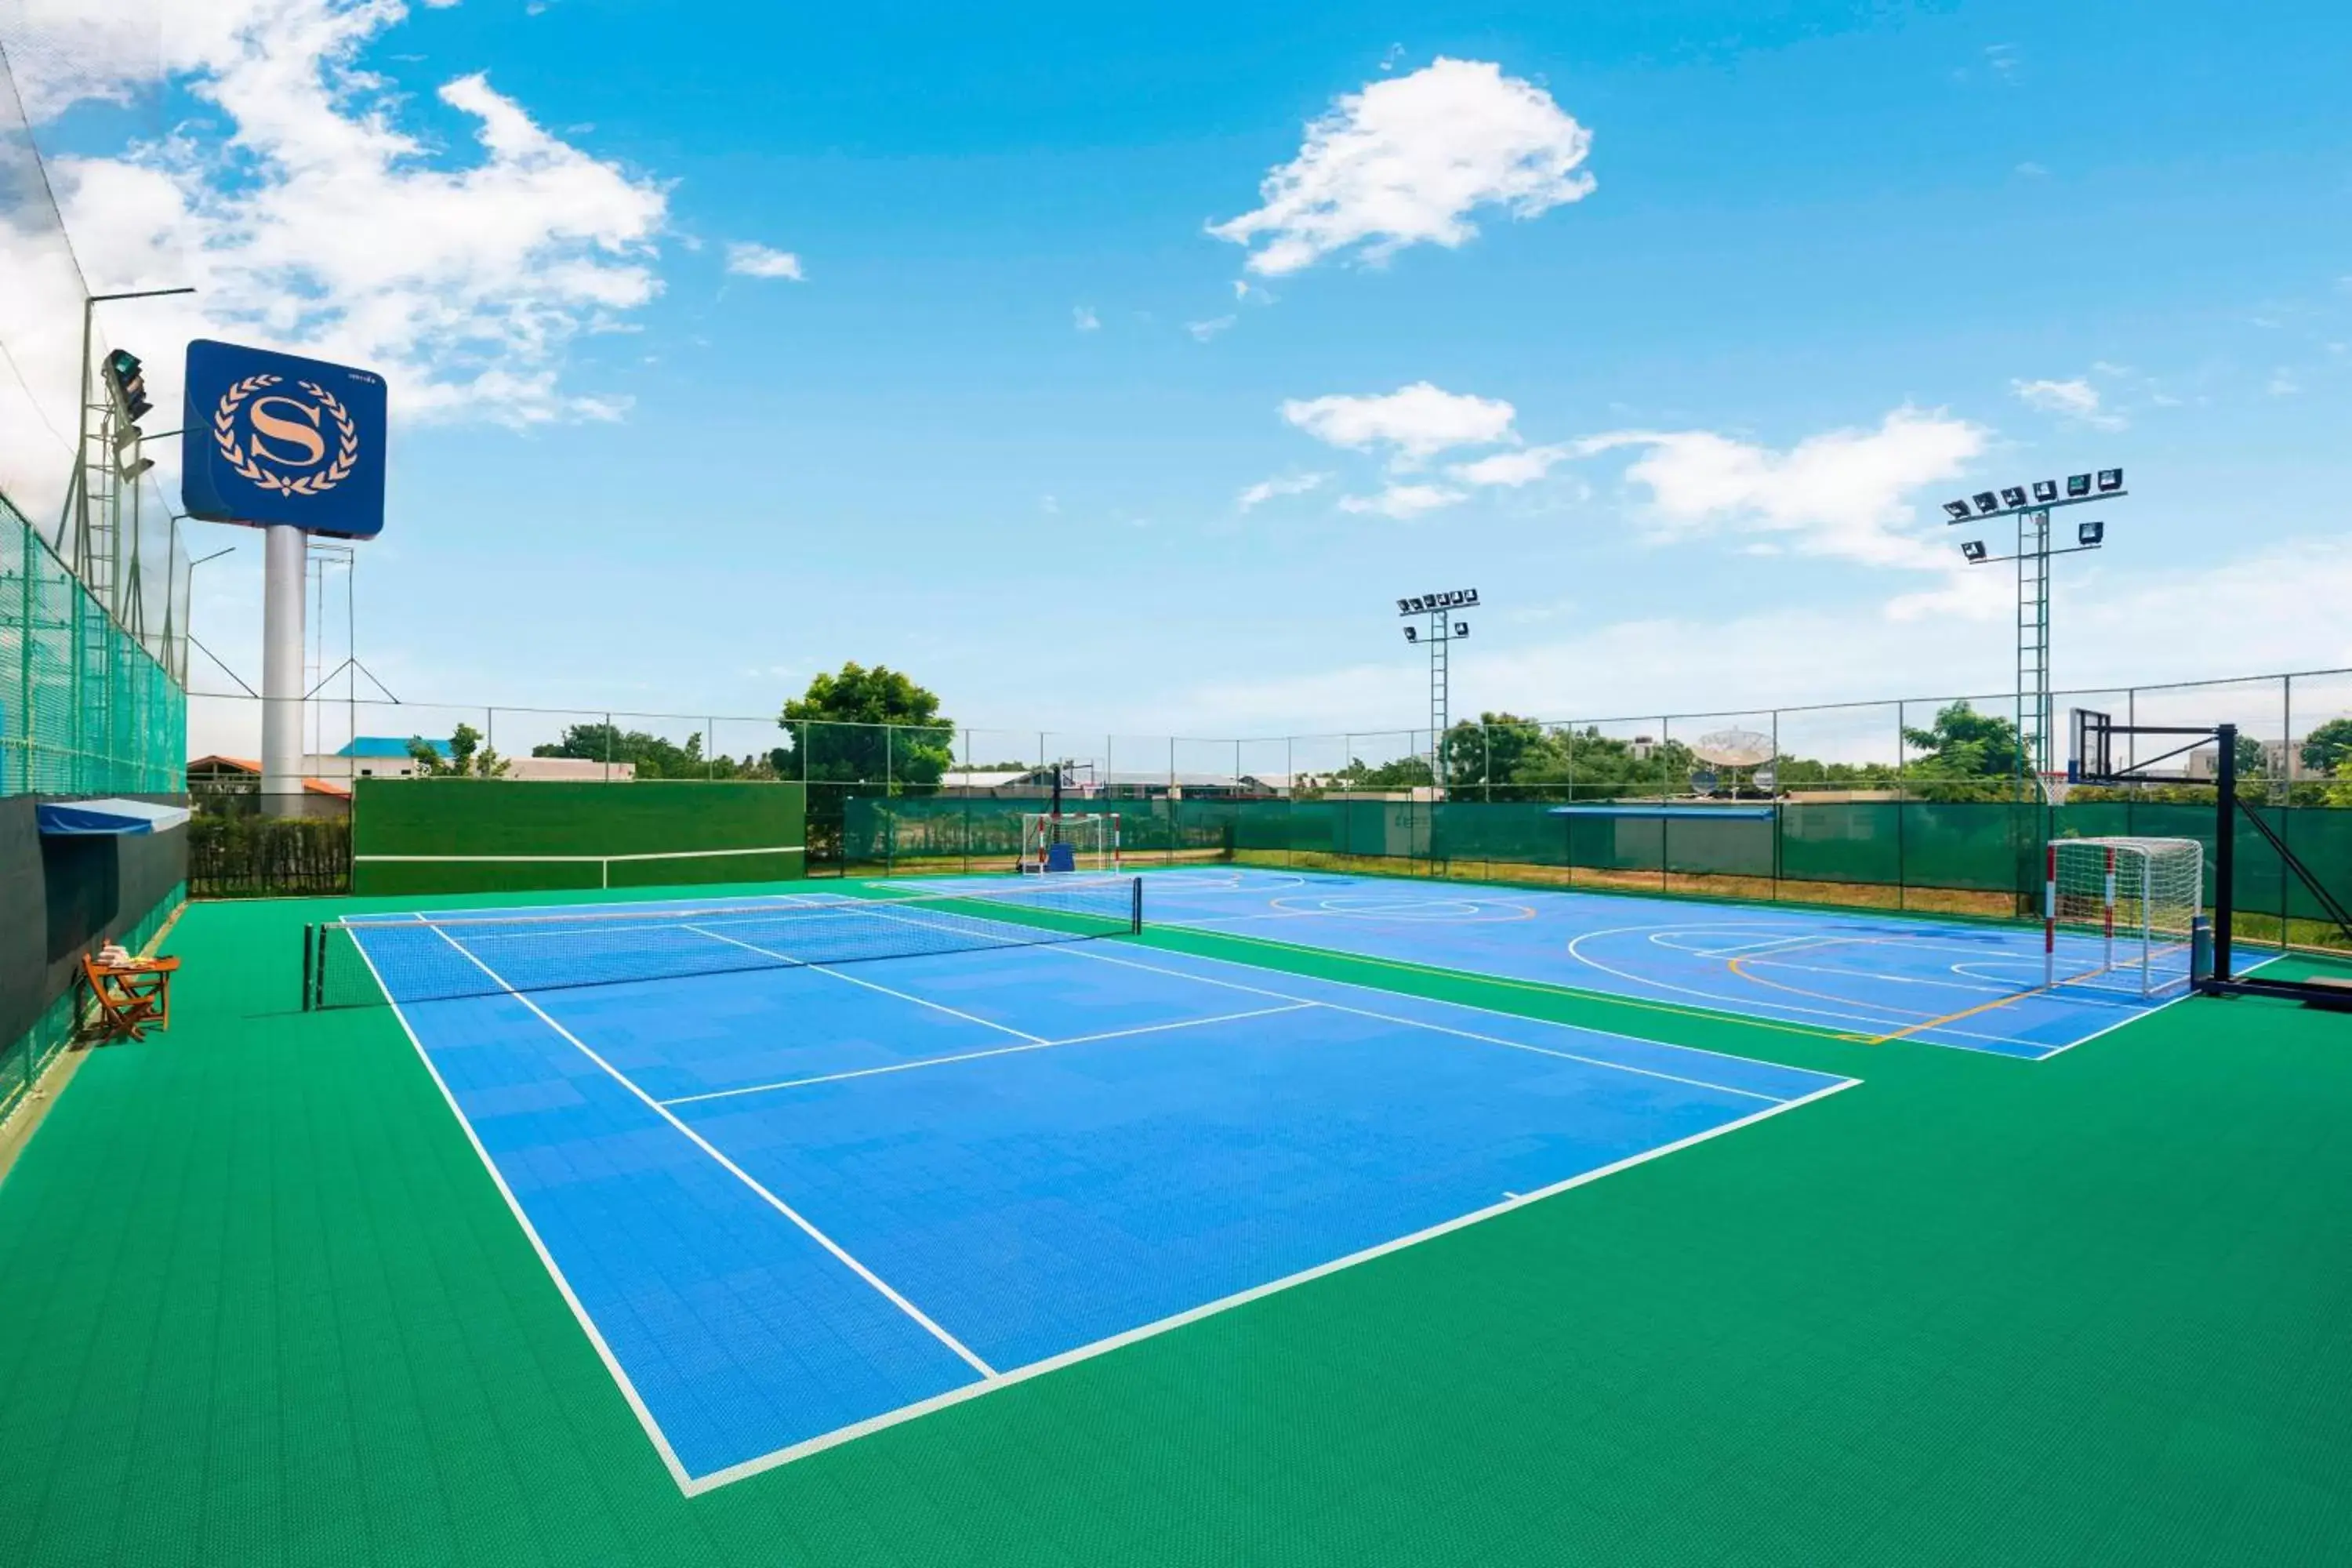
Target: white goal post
(1092,838)
(2128,909)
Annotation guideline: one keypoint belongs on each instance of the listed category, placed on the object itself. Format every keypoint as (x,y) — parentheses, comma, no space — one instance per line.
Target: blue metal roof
(385,746)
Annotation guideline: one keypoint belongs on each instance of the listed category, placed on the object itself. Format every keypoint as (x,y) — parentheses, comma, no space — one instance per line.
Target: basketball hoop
(2054,786)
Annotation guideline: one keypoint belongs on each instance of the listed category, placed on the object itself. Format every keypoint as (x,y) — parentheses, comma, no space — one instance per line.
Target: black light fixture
(1412,634)
(2110,479)
(2077,486)
(2089,534)
(1461,629)
(1974,550)
(2013,496)
(1986,501)
(2045,491)
(1958,510)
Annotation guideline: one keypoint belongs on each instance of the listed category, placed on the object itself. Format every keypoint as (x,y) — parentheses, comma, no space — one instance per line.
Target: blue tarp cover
(78,816)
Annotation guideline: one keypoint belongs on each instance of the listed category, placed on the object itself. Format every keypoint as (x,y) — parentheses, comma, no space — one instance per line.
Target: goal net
(2121,914)
(1084,842)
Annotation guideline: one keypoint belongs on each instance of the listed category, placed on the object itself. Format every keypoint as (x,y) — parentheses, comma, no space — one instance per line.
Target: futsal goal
(1086,841)
(2130,909)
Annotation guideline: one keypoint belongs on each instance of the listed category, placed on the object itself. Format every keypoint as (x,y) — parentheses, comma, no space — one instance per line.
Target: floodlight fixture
(1958,510)
(2089,536)
(2110,479)
(1974,550)
(1437,603)
(1461,629)
(131,472)
(2077,486)
(1412,634)
(2044,491)
(1986,502)
(2013,496)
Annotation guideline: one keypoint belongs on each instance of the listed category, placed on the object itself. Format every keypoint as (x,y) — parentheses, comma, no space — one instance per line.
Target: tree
(653,756)
(1968,754)
(2326,748)
(462,761)
(2341,792)
(867,726)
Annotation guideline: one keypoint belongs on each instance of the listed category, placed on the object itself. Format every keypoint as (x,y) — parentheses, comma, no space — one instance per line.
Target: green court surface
(263,1305)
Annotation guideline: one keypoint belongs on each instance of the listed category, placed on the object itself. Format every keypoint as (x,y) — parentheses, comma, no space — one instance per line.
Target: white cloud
(310,219)
(1845,494)
(2076,399)
(1404,503)
(2292,604)
(1203,331)
(1083,319)
(1417,421)
(1511,469)
(745,259)
(1265,490)
(2283,383)
(1407,160)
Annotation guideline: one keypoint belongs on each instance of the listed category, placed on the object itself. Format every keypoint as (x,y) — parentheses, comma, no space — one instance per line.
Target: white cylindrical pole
(281,664)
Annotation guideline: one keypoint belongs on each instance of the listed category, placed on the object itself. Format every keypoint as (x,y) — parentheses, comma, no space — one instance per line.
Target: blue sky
(996,411)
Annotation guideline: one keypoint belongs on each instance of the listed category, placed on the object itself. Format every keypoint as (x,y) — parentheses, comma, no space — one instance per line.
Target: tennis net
(366,961)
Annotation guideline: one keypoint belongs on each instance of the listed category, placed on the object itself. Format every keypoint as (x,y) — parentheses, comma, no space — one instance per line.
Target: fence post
(1902,810)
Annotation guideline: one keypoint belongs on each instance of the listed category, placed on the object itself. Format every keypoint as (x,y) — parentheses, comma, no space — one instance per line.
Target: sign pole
(281,667)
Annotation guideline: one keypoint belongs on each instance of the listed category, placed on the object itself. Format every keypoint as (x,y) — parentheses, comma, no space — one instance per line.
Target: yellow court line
(1578,992)
(1967,1013)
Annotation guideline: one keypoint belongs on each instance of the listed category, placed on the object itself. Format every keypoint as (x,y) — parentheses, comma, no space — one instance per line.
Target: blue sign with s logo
(276,439)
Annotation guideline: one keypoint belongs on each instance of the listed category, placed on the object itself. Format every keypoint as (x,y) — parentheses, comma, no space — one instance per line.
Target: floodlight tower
(2033,559)
(1441,609)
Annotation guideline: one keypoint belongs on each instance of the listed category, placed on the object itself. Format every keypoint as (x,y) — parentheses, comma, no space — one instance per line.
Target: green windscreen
(452,836)
(1965,856)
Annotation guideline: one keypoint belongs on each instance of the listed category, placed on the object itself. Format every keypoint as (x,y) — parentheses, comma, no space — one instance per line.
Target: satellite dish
(1765,777)
(1703,781)
(1733,747)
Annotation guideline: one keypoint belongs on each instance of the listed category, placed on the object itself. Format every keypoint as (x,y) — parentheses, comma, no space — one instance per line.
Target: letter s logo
(305,435)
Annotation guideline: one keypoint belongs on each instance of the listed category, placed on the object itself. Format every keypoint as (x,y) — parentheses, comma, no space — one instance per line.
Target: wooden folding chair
(131,997)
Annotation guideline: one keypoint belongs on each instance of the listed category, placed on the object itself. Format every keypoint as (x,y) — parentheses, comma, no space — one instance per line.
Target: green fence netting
(1982,857)
(84,708)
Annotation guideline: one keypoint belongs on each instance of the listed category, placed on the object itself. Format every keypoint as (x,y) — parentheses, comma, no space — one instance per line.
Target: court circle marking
(1405,906)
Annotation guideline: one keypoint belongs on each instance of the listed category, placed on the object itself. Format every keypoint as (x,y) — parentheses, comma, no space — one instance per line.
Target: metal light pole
(1443,630)
(2033,717)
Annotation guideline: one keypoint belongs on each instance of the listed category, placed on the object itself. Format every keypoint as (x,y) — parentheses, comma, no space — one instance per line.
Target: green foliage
(836,734)
(1404,772)
(2327,747)
(240,855)
(653,756)
(2341,792)
(467,758)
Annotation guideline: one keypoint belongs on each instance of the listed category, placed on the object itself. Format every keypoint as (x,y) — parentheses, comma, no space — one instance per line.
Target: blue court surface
(1877,978)
(791,1205)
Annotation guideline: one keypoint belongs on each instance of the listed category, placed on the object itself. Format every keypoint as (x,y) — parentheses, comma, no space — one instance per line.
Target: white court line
(982,1056)
(740,1175)
(531,1231)
(1579,995)
(839,1435)
(853,980)
(1739,950)
(2145,1011)
(1077,950)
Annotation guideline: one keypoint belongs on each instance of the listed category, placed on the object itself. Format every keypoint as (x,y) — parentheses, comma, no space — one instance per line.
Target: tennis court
(1875,978)
(793,1196)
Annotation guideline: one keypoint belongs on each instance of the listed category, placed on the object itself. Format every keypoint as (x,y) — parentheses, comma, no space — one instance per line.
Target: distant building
(216,776)
(569,770)
(371,757)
